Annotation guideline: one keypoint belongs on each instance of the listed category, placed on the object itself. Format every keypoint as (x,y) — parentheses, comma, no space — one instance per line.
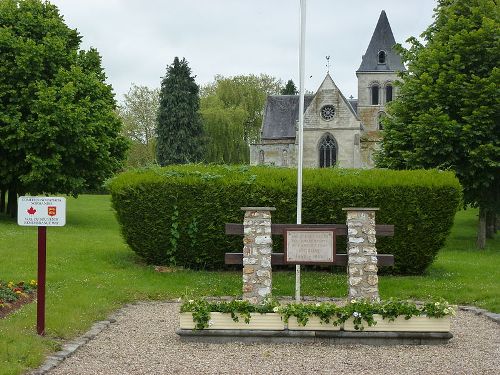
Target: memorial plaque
(309,246)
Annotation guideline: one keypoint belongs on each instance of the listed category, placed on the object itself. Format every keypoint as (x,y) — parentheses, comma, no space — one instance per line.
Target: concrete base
(328,337)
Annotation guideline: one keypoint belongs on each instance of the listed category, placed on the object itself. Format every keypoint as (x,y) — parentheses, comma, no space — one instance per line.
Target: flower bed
(13,295)
(391,315)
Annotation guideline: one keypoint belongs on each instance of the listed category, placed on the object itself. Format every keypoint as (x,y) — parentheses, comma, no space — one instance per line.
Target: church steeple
(379,55)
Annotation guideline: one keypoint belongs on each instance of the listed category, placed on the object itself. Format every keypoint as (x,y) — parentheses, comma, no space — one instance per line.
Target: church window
(327,112)
(388,93)
(381,57)
(327,151)
(284,161)
(374,94)
(261,157)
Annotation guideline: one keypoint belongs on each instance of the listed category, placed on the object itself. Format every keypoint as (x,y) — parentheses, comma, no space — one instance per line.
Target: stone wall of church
(368,113)
(278,154)
(344,127)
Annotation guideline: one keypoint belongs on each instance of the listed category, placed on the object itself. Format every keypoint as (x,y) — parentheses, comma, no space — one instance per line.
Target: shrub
(176,215)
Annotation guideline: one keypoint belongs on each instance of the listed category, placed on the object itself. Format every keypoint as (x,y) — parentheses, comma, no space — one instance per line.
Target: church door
(327,151)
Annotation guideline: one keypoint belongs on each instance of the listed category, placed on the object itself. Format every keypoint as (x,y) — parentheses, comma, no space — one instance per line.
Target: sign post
(41,212)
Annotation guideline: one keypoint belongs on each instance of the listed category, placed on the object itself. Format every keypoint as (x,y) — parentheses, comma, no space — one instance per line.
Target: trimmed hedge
(176,215)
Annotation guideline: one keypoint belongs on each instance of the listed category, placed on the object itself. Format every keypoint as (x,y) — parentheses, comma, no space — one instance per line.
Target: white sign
(41,211)
(309,246)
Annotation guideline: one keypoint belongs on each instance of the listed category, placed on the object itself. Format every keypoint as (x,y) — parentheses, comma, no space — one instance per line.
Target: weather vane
(328,64)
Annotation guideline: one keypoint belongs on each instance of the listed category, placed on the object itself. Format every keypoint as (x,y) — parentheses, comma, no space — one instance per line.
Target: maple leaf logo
(31,211)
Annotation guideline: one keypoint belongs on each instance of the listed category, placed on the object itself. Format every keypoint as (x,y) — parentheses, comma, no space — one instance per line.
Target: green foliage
(239,101)
(138,113)
(224,129)
(446,114)
(360,311)
(326,312)
(58,129)
(179,128)
(201,309)
(290,89)
(421,205)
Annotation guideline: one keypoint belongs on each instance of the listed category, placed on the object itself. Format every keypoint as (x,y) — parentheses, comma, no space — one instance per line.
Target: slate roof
(382,40)
(354,105)
(281,114)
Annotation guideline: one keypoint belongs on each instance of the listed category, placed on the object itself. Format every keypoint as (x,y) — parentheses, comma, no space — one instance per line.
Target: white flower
(318,304)
(276,309)
(446,311)
(353,301)
(356,314)
(436,304)
(191,301)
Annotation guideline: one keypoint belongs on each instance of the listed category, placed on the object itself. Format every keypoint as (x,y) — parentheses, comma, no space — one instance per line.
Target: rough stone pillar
(362,265)
(257,248)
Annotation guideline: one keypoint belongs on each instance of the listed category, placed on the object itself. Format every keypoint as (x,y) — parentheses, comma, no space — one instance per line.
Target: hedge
(175,215)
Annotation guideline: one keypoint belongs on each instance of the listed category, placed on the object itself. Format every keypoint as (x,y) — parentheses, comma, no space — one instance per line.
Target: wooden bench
(340,229)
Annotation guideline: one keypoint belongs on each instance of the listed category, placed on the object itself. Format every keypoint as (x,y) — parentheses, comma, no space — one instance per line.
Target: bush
(176,215)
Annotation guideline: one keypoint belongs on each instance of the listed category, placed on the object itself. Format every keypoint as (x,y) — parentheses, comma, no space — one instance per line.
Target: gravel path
(143,341)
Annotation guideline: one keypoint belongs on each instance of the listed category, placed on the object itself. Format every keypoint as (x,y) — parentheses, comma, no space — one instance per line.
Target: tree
(290,89)
(179,128)
(59,132)
(138,113)
(237,103)
(224,129)
(446,115)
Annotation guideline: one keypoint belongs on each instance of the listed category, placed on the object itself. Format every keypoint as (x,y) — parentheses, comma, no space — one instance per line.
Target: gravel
(143,341)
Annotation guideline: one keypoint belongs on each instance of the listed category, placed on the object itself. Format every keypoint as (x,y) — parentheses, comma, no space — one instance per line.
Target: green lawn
(91,272)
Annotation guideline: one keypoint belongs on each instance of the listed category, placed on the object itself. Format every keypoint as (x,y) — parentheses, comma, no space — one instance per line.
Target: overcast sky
(137,39)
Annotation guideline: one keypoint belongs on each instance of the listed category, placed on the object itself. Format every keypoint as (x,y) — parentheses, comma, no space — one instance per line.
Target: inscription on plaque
(309,246)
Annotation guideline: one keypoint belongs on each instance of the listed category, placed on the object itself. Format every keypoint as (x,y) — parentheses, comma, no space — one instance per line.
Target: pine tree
(179,127)
(290,89)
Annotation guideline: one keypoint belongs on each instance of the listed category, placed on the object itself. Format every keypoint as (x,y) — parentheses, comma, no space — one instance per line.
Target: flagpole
(301,131)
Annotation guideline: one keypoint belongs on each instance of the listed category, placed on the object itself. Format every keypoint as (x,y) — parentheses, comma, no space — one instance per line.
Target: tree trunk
(12,203)
(481,230)
(490,224)
(2,200)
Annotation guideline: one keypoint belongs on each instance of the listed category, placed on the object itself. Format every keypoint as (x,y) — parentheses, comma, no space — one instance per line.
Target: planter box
(400,324)
(266,322)
(313,324)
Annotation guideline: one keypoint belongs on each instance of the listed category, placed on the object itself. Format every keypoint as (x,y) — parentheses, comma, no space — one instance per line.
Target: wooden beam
(279,259)
(383,230)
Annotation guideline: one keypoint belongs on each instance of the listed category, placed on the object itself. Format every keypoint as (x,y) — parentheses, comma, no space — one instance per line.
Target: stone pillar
(362,265)
(257,248)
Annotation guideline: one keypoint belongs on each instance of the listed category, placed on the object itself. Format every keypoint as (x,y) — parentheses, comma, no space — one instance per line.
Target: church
(337,131)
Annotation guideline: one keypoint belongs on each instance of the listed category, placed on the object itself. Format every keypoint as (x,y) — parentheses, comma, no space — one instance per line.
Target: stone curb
(492,316)
(70,347)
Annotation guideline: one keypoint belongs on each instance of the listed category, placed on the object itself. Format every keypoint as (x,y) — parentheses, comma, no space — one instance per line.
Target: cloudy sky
(137,39)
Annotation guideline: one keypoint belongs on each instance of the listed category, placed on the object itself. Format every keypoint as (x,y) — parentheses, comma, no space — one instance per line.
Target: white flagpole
(301,131)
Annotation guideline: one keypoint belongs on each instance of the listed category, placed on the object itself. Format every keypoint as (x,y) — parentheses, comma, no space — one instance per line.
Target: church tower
(376,75)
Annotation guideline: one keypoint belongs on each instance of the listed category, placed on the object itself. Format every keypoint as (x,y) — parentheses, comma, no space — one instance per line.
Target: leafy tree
(179,128)
(447,113)
(59,132)
(224,129)
(290,89)
(238,102)
(138,113)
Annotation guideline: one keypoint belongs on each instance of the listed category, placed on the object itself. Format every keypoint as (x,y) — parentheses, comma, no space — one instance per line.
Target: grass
(91,272)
